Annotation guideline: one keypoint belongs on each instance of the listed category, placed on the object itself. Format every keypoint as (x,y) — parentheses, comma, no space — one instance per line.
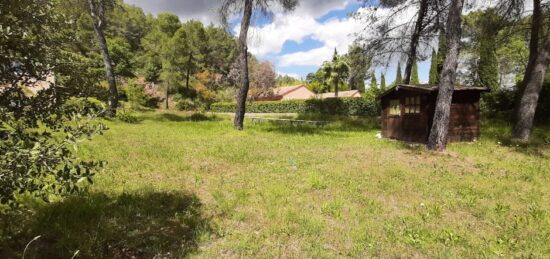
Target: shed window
(412,104)
(394,107)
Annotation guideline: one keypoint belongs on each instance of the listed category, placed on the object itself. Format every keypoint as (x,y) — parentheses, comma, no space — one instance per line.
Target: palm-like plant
(247,7)
(336,72)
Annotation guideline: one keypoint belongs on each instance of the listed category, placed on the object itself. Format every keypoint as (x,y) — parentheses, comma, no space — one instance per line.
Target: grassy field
(191,186)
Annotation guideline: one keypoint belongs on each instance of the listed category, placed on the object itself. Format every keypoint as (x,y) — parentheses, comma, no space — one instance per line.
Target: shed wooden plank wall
(464,117)
(464,120)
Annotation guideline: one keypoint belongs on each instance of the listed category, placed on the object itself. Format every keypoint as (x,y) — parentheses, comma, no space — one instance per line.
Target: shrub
(37,135)
(84,106)
(137,97)
(329,106)
(186,105)
(127,117)
(198,117)
(498,103)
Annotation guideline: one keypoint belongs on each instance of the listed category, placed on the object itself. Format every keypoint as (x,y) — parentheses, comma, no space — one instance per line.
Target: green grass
(181,186)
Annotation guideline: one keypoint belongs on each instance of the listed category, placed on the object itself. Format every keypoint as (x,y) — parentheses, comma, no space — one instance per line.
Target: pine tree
(414,76)
(383,83)
(359,66)
(373,83)
(246,7)
(97,11)
(488,63)
(437,140)
(433,69)
(399,76)
(533,78)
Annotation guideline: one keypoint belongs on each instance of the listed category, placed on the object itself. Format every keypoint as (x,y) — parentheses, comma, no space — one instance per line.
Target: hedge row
(329,106)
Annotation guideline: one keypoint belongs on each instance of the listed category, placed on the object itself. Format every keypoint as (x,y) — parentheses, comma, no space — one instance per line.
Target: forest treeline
(188,62)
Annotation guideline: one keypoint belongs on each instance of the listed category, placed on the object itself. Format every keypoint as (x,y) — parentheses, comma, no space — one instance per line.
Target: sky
(296,43)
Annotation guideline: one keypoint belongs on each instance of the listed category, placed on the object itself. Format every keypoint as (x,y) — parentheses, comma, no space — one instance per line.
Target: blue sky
(296,43)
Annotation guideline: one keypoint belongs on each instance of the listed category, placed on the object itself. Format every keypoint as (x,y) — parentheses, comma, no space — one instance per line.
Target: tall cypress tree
(399,75)
(383,83)
(373,83)
(433,69)
(488,66)
(414,76)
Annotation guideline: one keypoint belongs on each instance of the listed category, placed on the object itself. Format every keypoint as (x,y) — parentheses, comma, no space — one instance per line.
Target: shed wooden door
(414,128)
(414,120)
(393,125)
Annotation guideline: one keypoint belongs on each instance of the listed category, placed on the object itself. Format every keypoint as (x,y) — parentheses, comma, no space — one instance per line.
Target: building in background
(352,93)
(297,92)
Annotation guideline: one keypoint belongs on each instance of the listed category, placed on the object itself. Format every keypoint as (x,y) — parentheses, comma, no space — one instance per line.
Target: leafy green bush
(138,98)
(330,106)
(127,117)
(37,135)
(84,106)
(501,103)
(498,103)
(186,105)
(198,117)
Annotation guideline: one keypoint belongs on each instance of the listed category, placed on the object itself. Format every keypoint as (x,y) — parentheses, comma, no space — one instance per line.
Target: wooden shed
(408,111)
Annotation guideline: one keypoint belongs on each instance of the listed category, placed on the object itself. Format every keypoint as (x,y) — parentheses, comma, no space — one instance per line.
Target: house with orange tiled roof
(297,92)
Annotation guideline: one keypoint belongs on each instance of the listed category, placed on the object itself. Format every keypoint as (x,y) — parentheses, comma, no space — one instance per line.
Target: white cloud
(270,39)
(314,57)
(206,10)
(317,8)
(298,26)
(202,10)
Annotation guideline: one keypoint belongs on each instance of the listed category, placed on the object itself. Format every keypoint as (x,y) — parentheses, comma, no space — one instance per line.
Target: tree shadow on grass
(287,128)
(537,146)
(144,225)
(500,132)
(333,124)
(196,117)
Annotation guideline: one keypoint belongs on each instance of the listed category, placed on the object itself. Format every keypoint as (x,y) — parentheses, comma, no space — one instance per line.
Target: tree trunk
(440,127)
(98,19)
(414,40)
(188,70)
(336,89)
(243,91)
(532,85)
(167,95)
(521,130)
(536,24)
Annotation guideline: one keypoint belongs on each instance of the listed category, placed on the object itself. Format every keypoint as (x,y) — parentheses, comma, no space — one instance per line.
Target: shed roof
(426,88)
